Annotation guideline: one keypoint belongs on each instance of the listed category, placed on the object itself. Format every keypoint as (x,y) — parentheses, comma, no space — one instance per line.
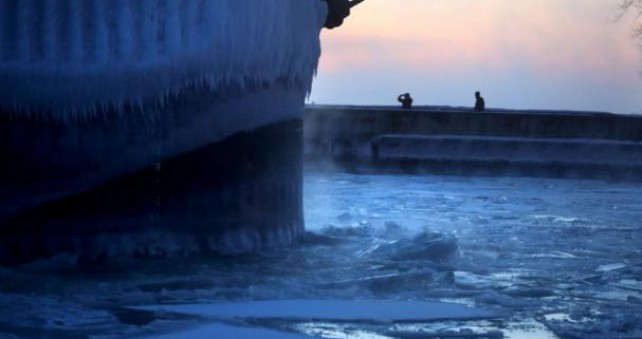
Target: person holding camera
(405,100)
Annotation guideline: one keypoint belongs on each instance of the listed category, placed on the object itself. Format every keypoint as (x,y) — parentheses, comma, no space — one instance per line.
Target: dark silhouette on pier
(405,100)
(480,105)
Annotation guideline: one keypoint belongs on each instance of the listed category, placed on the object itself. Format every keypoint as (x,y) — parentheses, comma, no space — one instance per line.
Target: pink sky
(543,54)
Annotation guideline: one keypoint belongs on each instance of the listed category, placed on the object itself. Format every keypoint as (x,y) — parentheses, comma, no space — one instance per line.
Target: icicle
(101,38)
(23,31)
(75,30)
(149,30)
(124,25)
(48,31)
(172,26)
(4,36)
(189,11)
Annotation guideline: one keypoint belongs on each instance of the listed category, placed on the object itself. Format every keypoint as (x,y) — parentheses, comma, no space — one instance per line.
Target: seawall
(239,195)
(456,141)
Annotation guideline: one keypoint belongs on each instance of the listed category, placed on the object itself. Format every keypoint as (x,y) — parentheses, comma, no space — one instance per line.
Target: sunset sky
(536,54)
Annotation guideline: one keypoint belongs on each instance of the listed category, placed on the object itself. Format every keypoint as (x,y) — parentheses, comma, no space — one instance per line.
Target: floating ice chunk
(474,281)
(632,284)
(529,292)
(555,255)
(610,267)
(330,310)
(432,246)
(227,331)
(556,218)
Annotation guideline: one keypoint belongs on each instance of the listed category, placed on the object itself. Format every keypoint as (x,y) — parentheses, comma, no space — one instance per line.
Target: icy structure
(122,122)
(76,59)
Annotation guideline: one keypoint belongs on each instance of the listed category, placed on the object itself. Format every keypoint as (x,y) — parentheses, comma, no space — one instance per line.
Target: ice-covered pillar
(152,127)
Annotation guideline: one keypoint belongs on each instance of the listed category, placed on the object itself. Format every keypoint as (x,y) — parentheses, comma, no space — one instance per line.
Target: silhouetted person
(405,100)
(480,105)
(338,10)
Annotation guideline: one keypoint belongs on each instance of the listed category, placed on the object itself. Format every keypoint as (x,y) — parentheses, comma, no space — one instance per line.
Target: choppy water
(548,258)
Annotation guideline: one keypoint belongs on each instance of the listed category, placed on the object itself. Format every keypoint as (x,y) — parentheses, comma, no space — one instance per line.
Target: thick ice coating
(76,58)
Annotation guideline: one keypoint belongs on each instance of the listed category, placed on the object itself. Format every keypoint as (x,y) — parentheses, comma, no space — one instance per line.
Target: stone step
(579,151)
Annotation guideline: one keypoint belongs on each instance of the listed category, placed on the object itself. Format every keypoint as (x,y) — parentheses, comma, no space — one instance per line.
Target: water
(531,258)
(532,247)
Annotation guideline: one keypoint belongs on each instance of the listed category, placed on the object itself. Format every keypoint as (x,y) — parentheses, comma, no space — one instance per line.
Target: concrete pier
(455,141)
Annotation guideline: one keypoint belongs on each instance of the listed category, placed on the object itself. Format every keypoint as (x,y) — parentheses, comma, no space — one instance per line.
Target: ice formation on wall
(76,58)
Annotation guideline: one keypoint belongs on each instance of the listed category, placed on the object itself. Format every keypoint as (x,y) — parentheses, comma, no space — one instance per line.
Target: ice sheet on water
(555,255)
(336,310)
(393,243)
(610,267)
(477,281)
(634,284)
(219,330)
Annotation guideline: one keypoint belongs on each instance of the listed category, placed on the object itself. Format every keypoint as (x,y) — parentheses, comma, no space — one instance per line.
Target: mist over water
(547,54)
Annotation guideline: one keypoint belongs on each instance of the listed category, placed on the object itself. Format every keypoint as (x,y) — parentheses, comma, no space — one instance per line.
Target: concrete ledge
(510,149)
(532,143)
(366,122)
